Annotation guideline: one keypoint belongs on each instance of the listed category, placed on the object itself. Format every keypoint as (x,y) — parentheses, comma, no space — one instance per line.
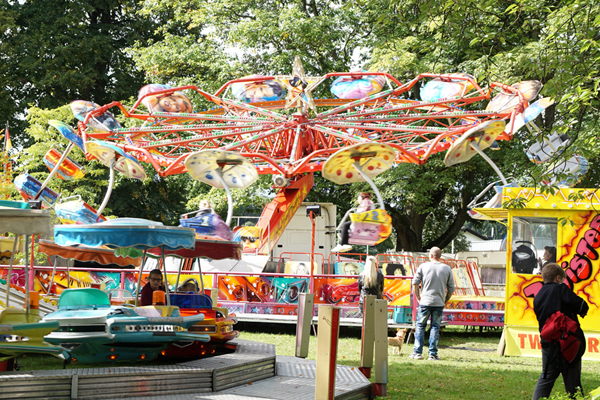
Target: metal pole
(305,313)
(111,182)
(12,258)
(166,276)
(27,272)
(199,261)
(312,255)
(53,273)
(370,182)
(229,199)
(475,147)
(178,273)
(137,289)
(68,275)
(56,167)
(379,386)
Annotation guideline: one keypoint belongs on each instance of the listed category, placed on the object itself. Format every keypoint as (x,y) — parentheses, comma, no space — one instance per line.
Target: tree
(60,51)
(553,42)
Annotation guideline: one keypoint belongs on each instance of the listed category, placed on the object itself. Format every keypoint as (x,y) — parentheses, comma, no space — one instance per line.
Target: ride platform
(252,371)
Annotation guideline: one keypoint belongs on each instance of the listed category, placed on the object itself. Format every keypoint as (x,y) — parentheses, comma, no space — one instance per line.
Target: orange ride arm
(279,212)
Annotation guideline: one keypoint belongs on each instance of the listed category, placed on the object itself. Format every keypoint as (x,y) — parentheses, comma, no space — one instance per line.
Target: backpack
(560,329)
(523,260)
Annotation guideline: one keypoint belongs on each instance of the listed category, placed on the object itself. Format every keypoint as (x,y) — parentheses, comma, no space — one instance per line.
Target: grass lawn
(469,369)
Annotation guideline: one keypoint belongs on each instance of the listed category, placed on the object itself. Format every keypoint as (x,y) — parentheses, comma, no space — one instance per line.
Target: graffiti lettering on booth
(580,267)
(532,341)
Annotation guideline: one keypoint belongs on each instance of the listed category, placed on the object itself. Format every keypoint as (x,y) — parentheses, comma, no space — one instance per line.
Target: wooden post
(368,335)
(305,314)
(379,387)
(327,342)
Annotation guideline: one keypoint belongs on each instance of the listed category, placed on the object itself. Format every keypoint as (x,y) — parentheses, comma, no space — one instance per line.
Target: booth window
(531,236)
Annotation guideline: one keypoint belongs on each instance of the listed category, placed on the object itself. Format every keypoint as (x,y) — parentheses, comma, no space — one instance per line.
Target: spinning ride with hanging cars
(274,125)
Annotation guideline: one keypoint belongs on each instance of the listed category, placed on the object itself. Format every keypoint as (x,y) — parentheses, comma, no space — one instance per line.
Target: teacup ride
(21,331)
(362,163)
(91,328)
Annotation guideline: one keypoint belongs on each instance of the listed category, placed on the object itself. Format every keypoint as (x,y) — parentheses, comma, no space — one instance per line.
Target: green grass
(463,373)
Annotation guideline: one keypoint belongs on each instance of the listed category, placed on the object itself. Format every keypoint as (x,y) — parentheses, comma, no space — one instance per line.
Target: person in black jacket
(552,297)
(370,281)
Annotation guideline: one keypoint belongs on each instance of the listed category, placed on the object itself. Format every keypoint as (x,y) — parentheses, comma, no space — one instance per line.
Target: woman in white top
(364,204)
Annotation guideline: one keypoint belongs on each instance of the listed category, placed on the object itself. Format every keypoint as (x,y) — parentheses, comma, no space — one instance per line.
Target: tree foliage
(55,52)
(104,51)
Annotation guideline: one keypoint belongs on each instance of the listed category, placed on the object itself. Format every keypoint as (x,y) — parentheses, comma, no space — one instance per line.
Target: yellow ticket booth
(567,221)
(6,247)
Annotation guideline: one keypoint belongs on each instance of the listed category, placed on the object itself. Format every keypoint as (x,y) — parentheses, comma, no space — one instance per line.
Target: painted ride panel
(92,330)
(257,89)
(474,311)
(357,87)
(446,87)
(277,294)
